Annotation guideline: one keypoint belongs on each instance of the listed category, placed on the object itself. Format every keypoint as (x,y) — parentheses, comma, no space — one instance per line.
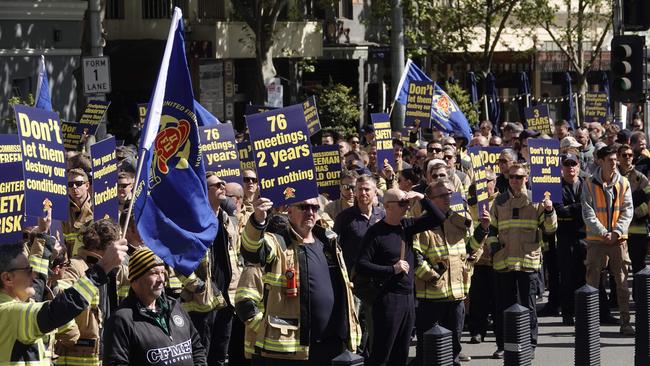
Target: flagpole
(485,104)
(390,113)
(577,111)
(134,191)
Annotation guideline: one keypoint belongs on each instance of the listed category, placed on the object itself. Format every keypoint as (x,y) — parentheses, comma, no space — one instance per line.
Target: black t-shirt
(321,291)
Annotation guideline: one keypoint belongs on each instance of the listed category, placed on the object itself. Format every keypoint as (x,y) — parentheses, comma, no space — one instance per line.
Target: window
(114,9)
(344,9)
(212,9)
(162,9)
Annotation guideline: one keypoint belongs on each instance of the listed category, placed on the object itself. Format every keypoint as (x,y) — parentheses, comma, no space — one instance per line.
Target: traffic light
(628,65)
(636,15)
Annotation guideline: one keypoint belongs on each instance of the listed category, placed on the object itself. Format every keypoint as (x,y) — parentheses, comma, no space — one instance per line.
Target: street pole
(617,26)
(96,49)
(397,59)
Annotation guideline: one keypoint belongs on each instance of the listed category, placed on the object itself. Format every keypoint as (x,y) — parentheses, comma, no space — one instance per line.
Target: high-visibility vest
(608,216)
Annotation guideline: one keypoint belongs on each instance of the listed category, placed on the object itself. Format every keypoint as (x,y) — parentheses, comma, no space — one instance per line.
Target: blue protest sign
(246,155)
(282,153)
(43,162)
(10,149)
(72,132)
(419,103)
(94,114)
(480,179)
(327,162)
(545,171)
(311,115)
(253,109)
(537,118)
(458,204)
(490,157)
(220,153)
(12,198)
(384,140)
(104,168)
(596,107)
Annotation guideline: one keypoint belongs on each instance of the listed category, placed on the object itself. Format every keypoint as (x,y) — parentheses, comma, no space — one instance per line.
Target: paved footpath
(556,346)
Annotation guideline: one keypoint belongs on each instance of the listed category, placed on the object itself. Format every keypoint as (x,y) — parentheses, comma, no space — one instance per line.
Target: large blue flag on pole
(445,112)
(42,97)
(171,208)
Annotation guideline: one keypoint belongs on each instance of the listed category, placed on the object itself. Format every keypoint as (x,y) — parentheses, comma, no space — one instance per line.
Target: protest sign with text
(311,115)
(383,139)
(537,118)
(44,168)
(596,105)
(220,153)
(480,177)
(12,198)
(104,166)
(246,160)
(253,109)
(10,149)
(418,104)
(327,163)
(490,157)
(458,204)
(545,171)
(282,153)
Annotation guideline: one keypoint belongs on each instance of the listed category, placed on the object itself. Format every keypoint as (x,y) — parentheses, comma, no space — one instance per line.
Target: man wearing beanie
(149,328)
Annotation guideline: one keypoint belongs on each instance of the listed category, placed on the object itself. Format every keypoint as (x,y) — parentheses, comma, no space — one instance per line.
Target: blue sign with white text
(220,154)
(545,171)
(282,153)
(104,166)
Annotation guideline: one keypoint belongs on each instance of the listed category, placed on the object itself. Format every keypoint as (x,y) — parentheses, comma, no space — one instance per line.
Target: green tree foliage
(461,97)
(338,108)
(11,119)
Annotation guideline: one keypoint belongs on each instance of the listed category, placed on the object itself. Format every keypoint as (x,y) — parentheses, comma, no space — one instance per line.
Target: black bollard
(516,336)
(347,358)
(438,349)
(587,343)
(642,335)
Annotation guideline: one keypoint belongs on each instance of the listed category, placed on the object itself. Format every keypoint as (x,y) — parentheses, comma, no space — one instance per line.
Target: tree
(578,28)
(261,16)
(461,97)
(338,108)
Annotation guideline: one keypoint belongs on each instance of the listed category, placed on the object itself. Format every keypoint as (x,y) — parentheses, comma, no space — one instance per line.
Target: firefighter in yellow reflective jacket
(81,212)
(249,305)
(309,309)
(86,350)
(607,210)
(444,260)
(637,242)
(24,322)
(515,240)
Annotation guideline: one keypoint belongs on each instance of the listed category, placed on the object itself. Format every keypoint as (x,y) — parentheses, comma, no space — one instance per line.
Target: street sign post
(97,75)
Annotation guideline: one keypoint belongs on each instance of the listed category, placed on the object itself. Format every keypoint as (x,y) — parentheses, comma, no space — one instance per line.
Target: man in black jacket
(149,328)
(571,249)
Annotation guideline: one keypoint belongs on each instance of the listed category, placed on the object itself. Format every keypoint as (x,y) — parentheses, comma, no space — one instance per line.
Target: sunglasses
(627,155)
(569,164)
(27,270)
(436,176)
(448,157)
(306,206)
(517,177)
(433,150)
(250,180)
(218,185)
(123,185)
(354,142)
(348,186)
(76,183)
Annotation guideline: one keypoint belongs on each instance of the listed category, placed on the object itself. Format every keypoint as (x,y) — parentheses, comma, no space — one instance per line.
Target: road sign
(97,75)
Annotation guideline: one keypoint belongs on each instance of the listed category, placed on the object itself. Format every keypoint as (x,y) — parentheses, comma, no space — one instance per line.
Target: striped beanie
(141,261)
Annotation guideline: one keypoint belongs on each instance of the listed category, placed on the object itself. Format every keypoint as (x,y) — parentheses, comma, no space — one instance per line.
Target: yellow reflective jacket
(516,228)
(447,249)
(249,305)
(78,218)
(281,334)
(607,208)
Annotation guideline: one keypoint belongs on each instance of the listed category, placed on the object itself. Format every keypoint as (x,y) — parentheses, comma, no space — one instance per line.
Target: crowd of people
(369,272)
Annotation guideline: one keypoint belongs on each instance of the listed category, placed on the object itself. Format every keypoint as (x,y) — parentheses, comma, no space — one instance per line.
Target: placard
(480,179)
(311,115)
(12,187)
(10,149)
(246,155)
(104,168)
(419,103)
(383,139)
(220,154)
(537,118)
(545,171)
(490,157)
(327,162)
(283,156)
(596,105)
(44,166)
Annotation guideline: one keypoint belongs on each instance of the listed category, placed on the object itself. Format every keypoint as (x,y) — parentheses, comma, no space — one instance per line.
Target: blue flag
(42,97)
(524,94)
(494,109)
(171,209)
(204,117)
(411,73)
(569,107)
(446,113)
